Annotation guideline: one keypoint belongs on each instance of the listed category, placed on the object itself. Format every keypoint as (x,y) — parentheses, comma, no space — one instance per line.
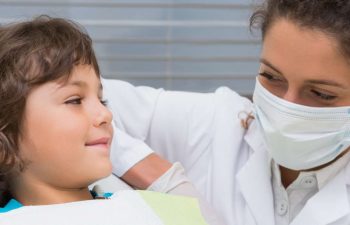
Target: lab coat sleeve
(163,120)
(182,126)
(132,109)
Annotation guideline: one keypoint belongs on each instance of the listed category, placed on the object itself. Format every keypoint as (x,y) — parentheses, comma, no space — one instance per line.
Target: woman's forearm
(147,171)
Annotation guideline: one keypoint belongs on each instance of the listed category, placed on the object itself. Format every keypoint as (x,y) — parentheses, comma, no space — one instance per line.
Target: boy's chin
(102,173)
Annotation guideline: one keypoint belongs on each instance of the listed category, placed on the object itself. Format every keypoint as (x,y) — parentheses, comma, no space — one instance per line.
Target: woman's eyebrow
(326,82)
(267,63)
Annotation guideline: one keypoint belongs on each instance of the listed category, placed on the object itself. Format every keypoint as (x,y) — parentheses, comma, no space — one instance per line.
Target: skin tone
(66,127)
(304,66)
(145,172)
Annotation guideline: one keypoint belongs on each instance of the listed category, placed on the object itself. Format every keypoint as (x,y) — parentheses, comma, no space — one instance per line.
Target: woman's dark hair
(329,16)
(33,53)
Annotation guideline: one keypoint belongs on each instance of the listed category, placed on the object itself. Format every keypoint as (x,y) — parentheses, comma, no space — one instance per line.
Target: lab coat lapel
(254,180)
(328,205)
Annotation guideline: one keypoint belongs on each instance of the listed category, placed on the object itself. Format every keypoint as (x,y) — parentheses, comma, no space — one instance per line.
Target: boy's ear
(5,150)
(7,163)
(10,160)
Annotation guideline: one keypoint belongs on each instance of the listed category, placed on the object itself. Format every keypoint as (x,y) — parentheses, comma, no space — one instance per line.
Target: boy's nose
(104,116)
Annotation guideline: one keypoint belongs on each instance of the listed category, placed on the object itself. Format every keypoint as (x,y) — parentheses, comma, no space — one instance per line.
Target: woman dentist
(281,160)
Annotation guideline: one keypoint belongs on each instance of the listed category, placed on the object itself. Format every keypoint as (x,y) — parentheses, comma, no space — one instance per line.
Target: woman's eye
(75,101)
(269,77)
(323,96)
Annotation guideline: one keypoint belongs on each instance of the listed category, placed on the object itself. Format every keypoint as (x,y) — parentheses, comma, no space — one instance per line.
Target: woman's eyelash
(268,76)
(323,96)
(320,95)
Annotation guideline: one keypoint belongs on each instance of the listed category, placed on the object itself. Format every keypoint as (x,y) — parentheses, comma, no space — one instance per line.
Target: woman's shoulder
(232,99)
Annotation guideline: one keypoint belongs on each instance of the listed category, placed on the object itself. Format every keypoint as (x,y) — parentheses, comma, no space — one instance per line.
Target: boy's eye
(104,102)
(75,101)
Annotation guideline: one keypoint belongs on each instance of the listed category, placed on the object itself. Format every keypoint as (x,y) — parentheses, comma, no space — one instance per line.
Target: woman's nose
(291,96)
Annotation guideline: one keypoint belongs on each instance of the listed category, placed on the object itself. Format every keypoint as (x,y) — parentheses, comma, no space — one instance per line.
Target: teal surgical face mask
(300,137)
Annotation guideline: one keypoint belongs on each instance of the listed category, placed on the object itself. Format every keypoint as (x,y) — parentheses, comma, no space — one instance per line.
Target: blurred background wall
(192,45)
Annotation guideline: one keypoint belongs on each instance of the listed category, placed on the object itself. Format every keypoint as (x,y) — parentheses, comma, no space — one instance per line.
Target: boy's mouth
(104,141)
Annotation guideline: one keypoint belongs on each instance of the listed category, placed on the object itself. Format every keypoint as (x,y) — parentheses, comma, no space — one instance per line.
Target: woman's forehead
(304,52)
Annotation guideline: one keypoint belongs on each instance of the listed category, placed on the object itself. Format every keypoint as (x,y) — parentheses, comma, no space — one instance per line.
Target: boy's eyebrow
(79,83)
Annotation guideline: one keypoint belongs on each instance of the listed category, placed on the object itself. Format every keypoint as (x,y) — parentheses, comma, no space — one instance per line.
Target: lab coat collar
(330,204)
(254,137)
(254,180)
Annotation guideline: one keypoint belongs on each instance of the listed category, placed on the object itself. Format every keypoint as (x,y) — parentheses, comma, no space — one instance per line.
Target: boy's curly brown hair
(33,53)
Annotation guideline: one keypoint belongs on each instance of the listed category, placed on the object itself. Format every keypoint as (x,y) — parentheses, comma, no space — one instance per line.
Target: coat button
(282,208)
(308,182)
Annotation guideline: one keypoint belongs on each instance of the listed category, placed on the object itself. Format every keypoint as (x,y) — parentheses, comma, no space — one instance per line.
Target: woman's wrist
(146,171)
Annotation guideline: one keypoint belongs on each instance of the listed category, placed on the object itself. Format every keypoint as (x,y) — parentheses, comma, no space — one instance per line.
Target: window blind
(192,45)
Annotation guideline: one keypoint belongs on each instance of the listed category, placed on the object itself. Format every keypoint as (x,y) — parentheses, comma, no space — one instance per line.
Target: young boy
(56,131)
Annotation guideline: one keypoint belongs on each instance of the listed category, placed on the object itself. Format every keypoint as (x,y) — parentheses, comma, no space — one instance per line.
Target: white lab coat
(228,164)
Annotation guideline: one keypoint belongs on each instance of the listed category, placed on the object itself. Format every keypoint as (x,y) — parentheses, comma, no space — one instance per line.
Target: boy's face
(67,132)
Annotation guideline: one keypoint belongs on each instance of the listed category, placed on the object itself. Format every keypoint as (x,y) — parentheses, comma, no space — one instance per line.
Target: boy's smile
(66,136)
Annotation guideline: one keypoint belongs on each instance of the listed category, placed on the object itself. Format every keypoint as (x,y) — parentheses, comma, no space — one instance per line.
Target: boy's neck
(29,192)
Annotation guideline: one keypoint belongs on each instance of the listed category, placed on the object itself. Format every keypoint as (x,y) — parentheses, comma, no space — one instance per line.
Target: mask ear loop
(245,118)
